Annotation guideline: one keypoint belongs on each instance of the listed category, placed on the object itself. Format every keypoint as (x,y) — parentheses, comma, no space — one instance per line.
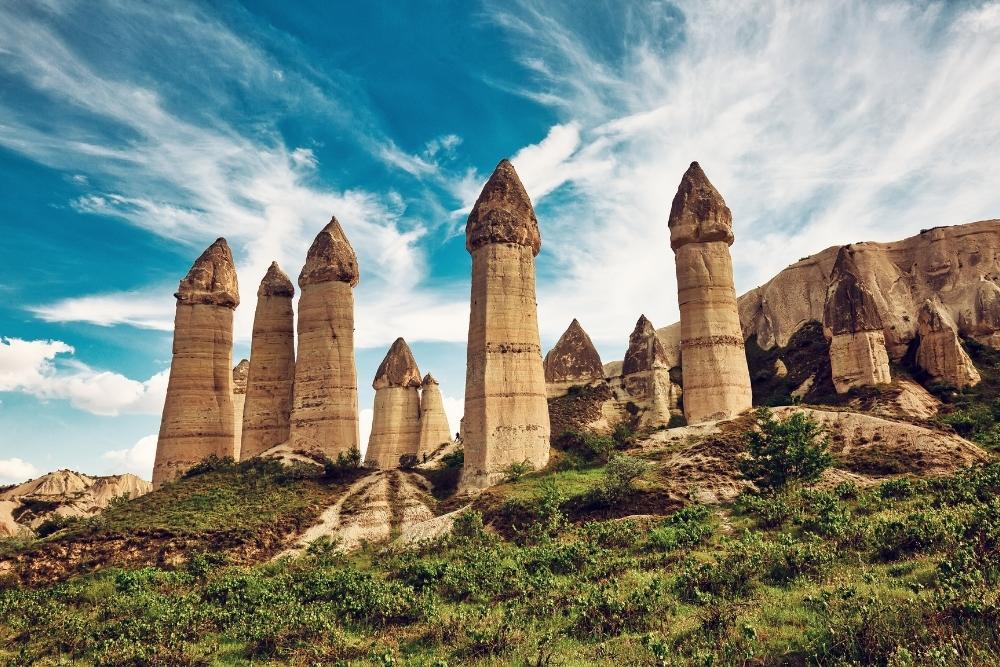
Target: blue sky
(133,134)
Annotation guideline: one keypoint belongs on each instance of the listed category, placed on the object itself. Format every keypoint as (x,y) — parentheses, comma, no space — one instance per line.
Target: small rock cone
(198,413)
(646,376)
(506,413)
(434,428)
(396,418)
(240,373)
(572,362)
(266,416)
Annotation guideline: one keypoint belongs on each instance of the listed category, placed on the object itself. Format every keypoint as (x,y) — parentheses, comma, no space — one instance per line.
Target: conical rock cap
(645,351)
(573,357)
(276,283)
(330,258)
(212,278)
(503,213)
(398,368)
(241,372)
(698,213)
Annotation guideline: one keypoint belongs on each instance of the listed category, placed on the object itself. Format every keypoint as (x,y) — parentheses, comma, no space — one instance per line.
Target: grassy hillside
(898,574)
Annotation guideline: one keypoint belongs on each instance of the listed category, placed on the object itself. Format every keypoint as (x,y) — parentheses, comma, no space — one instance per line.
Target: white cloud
(15,471)
(153,309)
(137,459)
(31,367)
(820,123)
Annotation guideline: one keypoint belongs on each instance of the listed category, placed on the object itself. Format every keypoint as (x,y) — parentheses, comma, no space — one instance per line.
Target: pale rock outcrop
(506,413)
(434,428)
(646,376)
(240,373)
(716,378)
(324,417)
(857,344)
(266,417)
(940,353)
(396,418)
(198,414)
(572,362)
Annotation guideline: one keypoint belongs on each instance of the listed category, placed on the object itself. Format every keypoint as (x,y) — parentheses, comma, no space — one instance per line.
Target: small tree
(785,451)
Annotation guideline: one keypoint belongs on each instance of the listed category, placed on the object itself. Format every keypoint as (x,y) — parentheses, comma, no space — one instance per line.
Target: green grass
(905,573)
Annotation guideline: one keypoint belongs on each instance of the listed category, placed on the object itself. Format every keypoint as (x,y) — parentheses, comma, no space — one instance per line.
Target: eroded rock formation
(645,376)
(716,379)
(506,414)
(434,428)
(396,420)
(240,373)
(198,415)
(572,362)
(857,344)
(940,353)
(272,366)
(324,415)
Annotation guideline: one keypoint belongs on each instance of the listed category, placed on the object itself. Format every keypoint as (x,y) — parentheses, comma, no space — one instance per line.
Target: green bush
(620,474)
(788,451)
(607,610)
(685,528)
(346,466)
(515,471)
(590,447)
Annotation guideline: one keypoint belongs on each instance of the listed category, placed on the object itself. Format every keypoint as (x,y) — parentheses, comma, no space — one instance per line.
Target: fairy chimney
(857,344)
(506,412)
(324,416)
(434,428)
(646,376)
(715,374)
(396,418)
(272,366)
(198,414)
(240,373)
(572,362)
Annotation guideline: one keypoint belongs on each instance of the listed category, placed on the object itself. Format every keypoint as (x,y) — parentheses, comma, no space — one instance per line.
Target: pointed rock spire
(428,380)
(940,353)
(698,213)
(275,283)
(330,258)
(573,358)
(850,305)
(503,213)
(212,278)
(241,372)
(645,351)
(398,368)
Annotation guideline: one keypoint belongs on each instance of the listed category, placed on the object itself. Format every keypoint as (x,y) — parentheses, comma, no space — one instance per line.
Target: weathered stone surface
(503,213)
(434,428)
(198,414)
(266,416)
(240,374)
(396,419)
(645,351)
(324,416)
(716,378)
(646,376)
(572,362)
(940,353)
(506,415)
(857,347)
(959,264)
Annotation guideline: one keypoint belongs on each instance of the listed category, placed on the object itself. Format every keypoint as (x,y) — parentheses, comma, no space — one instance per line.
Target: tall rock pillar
(198,414)
(434,428)
(325,405)
(857,343)
(506,413)
(715,375)
(272,366)
(396,417)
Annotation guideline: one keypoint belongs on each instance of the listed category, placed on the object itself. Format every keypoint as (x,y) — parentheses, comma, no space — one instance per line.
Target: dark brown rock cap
(503,213)
(330,258)
(241,372)
(398,368)
(850,305)
(276,283)
(698,213)
(212,278)
(645,351)
(429,380)
(573,357)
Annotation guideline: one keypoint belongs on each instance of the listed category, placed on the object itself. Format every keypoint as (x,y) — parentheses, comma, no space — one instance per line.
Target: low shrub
(785,451)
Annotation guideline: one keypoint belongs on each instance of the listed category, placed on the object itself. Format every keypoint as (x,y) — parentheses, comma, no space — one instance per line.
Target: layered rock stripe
(940,353)
(716,378)
(434,428)
(857,345)
(506,412)
(324,416)
(572,362)
(395,430)
(646,376)
(198,414)
(267,414)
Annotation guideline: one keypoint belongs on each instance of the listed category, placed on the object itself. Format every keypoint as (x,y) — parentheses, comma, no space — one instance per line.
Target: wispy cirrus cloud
(820,123)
